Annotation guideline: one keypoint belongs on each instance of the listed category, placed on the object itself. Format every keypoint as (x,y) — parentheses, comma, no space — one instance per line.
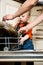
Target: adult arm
(27,5)
(38,20)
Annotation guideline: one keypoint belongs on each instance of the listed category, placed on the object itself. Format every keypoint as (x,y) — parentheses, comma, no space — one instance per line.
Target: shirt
(20,25)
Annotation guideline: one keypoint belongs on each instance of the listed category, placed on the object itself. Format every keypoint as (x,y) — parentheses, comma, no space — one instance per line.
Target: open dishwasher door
(22,55)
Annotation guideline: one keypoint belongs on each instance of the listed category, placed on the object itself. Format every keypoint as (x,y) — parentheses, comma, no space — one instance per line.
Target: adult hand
(23,29)
(7,17)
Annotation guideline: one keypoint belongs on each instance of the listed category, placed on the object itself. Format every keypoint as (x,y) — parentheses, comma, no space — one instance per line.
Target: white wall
(9,7)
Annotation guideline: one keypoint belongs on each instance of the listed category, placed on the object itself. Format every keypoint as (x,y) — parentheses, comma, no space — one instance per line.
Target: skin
(26,6)
(23,18)
(38,20)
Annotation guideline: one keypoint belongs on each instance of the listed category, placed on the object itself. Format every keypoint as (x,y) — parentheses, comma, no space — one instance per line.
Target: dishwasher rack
(7,43)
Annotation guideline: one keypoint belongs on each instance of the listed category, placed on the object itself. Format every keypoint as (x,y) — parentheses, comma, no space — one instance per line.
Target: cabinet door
(36,10)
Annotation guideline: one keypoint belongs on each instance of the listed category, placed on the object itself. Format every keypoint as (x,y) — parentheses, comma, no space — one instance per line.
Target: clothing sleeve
(29,33)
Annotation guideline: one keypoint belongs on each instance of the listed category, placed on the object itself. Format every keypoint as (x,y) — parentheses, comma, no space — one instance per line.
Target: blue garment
(27,45)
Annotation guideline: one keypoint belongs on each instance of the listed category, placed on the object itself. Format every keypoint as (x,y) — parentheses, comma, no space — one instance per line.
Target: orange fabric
(29,33)
(21,25)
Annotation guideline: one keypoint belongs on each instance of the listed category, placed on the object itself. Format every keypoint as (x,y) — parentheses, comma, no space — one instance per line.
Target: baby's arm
(23,39)
(26,37)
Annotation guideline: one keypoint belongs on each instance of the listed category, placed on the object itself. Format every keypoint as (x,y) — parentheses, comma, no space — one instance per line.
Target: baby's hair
(28,14)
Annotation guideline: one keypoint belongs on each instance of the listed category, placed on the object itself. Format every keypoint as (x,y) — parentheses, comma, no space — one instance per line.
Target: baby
(26,39)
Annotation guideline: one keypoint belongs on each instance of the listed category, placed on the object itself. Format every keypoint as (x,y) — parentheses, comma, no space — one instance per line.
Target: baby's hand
(21,41)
